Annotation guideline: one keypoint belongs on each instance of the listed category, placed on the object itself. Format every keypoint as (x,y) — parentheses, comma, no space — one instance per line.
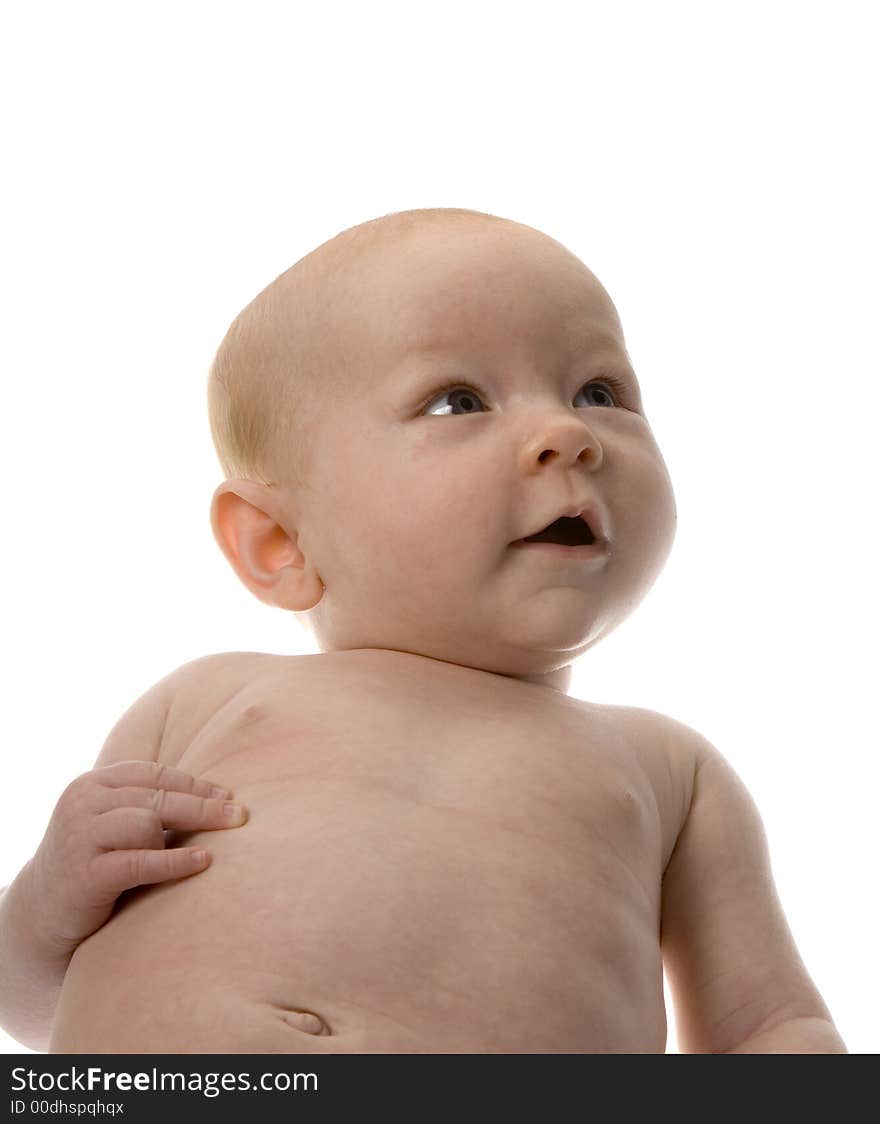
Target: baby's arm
(738,982)
(105,835)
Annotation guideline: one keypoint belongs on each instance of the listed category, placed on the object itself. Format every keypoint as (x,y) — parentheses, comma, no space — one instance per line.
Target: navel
(306,1021)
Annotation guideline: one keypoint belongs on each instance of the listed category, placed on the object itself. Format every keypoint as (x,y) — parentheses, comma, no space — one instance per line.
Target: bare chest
(435,858)
(394,729)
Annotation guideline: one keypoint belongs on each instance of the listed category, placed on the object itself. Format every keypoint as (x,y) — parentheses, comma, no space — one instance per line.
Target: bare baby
(438,459)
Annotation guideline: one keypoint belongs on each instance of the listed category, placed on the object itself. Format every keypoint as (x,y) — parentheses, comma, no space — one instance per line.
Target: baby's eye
(609,391)
(466,396)
(601,387)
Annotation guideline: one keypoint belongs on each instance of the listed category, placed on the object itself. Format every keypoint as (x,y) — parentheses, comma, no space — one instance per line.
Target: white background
(713,164)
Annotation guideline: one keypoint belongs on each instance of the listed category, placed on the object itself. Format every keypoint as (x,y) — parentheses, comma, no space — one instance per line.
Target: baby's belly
(349,918)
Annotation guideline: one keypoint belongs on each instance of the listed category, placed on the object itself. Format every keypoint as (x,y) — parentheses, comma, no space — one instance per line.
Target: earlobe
(262,547)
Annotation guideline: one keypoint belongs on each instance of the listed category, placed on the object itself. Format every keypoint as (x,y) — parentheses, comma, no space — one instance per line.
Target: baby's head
(405,404)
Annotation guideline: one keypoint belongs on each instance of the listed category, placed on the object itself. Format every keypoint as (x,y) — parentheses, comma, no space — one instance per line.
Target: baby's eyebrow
(598,344)
(431,346)
(595,344)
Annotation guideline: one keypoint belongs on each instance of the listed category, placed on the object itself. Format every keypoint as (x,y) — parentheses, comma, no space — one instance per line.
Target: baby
(437,457)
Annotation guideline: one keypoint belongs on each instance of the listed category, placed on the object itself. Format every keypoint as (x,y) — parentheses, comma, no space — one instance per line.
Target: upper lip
(591,514)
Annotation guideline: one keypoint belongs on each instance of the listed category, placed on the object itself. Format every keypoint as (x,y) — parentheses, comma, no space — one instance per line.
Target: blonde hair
(261,408)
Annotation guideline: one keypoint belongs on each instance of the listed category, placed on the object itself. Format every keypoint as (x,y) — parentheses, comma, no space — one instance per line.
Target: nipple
(306,1021)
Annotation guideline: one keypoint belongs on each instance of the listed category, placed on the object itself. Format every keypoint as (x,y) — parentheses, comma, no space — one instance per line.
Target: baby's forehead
(350,314)
(463,266)
(439,295)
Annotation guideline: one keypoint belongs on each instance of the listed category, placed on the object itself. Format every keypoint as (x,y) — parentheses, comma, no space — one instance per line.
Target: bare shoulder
(653,732)
(218,676)
(669,752)
(221,668)
(202,686)
(144,730)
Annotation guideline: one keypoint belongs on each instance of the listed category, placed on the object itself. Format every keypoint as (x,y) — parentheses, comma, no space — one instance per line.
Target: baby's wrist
(31,971)
(29,924)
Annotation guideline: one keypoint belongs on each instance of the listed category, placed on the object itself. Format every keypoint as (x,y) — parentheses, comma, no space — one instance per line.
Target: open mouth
(566,532)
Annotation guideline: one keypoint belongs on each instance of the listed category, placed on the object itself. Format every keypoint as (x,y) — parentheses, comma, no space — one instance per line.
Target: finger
(121,870)
(179,811)
(126,829)
(151,774)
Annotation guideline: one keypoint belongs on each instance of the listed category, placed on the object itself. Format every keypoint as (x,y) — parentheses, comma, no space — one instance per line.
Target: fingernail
(217,792)
(233,811)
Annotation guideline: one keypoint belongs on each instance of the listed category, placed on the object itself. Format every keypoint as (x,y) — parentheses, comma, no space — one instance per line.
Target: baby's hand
(106,835)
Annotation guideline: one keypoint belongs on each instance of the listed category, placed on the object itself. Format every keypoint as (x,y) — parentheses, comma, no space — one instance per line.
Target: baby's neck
(558,680)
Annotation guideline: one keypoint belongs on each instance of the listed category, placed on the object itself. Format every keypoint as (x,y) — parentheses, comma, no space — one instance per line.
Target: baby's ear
(258,539)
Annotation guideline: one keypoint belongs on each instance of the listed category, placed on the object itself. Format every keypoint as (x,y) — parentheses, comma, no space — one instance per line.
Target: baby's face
(479,406)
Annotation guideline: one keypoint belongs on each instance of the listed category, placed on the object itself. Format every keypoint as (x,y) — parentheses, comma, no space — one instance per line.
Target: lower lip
(573,553)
